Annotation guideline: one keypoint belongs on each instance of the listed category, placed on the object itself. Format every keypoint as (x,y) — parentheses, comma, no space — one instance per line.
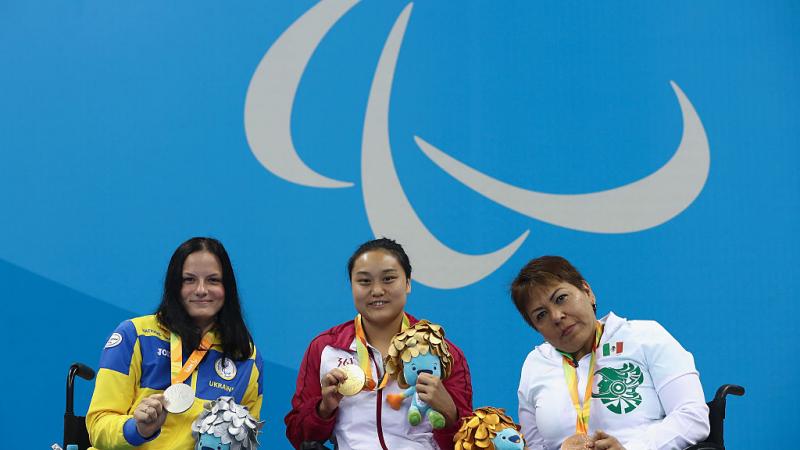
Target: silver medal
(179,397)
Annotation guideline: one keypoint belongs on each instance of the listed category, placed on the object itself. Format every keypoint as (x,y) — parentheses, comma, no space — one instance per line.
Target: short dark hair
(385,244)
(233,333)
(542,271)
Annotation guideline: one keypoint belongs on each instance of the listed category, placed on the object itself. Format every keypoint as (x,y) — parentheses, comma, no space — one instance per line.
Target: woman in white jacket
(601,384)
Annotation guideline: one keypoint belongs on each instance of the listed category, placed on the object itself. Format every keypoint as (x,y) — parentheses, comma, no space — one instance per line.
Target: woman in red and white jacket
(380,276)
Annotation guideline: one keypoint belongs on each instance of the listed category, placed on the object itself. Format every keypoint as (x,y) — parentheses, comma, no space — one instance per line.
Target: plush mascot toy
(489,429)
(420,349)
(225,425)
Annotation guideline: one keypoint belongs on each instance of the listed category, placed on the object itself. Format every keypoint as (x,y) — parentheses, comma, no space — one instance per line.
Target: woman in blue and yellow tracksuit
(199,319)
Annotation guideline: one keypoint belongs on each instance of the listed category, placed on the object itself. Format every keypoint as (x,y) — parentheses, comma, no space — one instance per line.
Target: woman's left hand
(603,441)
(431,390)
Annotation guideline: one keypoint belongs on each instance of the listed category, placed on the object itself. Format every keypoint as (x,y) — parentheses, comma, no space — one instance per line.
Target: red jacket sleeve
(459,386)
(303,423)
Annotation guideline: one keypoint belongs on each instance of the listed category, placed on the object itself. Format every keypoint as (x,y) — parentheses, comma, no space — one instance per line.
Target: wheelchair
(716,416)
(75,426)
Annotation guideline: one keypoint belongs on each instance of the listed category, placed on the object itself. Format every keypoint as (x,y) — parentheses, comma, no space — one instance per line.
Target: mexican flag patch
(612,349)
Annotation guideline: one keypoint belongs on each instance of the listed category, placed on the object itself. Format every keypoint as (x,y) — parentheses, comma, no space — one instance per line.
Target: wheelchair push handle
(720,401)
(81,370)
(729,389)
(716,413)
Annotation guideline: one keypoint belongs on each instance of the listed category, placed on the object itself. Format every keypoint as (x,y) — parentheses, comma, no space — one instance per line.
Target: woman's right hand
(330,393)
(604,441)
(150,414)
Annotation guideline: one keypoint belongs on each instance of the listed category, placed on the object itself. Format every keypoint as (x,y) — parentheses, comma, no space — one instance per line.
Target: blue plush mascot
(417,350)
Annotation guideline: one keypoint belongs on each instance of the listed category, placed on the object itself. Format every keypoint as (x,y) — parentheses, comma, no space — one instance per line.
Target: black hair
(233,333)
(384,244)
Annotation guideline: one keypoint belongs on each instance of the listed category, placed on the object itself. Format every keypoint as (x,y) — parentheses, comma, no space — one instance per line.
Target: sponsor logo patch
(114,340)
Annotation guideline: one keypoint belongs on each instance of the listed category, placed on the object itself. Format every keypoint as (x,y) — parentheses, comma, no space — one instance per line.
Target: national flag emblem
(609,348)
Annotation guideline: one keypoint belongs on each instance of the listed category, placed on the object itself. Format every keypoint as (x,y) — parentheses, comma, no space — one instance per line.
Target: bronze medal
(575,442)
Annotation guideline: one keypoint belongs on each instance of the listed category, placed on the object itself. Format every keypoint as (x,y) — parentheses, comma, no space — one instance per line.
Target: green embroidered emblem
(617,388)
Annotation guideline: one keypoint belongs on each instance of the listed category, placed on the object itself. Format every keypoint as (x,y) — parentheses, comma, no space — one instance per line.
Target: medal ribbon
(181,372)
(571,374)
(363,354)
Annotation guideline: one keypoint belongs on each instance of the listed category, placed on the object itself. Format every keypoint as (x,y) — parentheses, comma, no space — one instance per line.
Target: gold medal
(575,442)
(354,382)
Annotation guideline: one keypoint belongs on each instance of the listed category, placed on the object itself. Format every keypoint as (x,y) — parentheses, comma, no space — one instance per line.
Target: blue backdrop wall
(653,144)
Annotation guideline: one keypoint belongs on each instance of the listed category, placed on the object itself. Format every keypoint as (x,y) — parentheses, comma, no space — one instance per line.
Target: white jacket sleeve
(527,420)
(686,420)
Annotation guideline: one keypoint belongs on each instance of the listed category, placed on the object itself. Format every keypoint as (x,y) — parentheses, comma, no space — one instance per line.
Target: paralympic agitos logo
(640,205)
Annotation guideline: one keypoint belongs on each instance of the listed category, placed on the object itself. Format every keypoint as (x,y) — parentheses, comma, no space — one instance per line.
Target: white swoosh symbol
(270,96)
(388,209)
(637,206)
